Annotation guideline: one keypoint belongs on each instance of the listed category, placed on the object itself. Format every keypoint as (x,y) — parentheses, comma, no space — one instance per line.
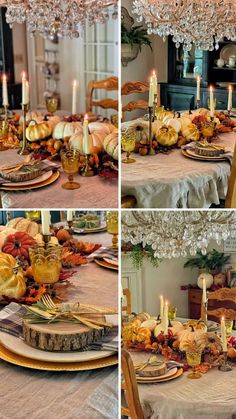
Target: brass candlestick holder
(204,312)
(70,229)
(24,150)
(224,365)
(151,150)
(154,107)
(88,171)
(198,102)
(6,112)
(46,239)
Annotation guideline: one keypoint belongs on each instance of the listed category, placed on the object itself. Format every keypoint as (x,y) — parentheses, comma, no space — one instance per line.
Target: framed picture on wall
(230,245)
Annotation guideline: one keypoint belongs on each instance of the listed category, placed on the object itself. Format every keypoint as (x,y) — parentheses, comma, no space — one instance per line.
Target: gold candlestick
(198,103)
(46,239)
(224,365)
(151,150)
(24,150)
(204,312)
(154,107)
(87,171)
(70,229)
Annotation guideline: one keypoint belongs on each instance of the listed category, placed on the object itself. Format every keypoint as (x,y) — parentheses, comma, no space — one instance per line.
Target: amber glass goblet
(193,360)
(51,104)
(70,164)
(46,263)
(112,226)
(128,145)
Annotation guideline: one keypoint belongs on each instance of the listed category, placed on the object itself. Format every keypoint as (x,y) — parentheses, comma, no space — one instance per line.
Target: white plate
(192,153)
(111,261)
(38,179)
(227,51)
(102,227)
(19,347)
(173,371)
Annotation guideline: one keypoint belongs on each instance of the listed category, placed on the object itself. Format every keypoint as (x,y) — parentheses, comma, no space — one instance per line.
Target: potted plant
(131,43)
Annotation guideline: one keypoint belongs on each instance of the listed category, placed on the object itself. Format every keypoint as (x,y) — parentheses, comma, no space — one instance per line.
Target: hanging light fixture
(177,233)
(199,22)
(60,17)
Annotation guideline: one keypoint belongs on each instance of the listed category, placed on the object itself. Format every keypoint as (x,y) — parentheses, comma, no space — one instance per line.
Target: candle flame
(222,318)
(166,303)
(4,77)
(211,89)
(23,76)
(154,73)
(230,87)
(86,116)
(75,83)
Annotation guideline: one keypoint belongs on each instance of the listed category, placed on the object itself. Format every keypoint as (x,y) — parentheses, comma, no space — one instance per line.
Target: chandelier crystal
(59,17)
(199,22)
(177,233)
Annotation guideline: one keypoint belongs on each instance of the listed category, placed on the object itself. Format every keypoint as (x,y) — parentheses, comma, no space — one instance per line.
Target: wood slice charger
(153,370)
(62,336)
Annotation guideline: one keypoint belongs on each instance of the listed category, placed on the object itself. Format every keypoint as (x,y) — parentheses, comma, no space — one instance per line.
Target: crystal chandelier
(199,22)
(59,17)
(177,233)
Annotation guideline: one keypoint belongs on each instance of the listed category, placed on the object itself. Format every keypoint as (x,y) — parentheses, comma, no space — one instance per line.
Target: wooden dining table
(175,181)
(94,192)
(34,394)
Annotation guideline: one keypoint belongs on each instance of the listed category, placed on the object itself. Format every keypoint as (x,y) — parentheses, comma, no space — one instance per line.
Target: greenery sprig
(139,253)
(137,35)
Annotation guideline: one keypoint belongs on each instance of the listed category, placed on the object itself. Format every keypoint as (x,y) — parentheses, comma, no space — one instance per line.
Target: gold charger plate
(47,182)
(105,264)
(201,158)
(21,361)
(142,380)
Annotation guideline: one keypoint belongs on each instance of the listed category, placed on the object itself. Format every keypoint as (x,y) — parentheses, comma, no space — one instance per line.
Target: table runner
(90,394)
(174,181)
(95,192)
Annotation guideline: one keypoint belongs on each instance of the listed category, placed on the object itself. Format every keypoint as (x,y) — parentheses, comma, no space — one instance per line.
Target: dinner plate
(148,380)
(111,261)
(166,375)
(38,179)
(227,51)
(104,264)
(90,230)
(192,155)
(19,347)
(47,182)
(22,361)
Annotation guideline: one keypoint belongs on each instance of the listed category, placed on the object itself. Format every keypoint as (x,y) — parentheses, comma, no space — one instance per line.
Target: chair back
(129,386)
(224,303)
(108,84)
(127,295)
(230,201)
(130,88)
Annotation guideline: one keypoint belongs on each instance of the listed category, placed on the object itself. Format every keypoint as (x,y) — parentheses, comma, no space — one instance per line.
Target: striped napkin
(104,252)
(11,319)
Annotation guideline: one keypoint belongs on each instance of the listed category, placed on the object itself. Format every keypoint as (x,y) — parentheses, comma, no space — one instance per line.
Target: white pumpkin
(155,126)
(173,122)
(208,278)
(36,116)
(66,129)
(53,121)
(158,329)
(110,145)
(95,139)
(149,324)
(101,126)
(176,327)
(188,335)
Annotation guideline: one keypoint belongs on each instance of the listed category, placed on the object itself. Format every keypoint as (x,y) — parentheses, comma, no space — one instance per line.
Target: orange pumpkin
(18,245)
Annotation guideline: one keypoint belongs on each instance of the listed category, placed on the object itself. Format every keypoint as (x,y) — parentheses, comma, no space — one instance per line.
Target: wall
(141,68)
(19,50)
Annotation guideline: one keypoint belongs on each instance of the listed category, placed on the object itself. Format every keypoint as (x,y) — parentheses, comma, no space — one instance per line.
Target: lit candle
(74,97)
(4,91)
(86,137)
(69,215)
(161,306)
(211,102)
(24,89)
(204,293)
(198,87)
(154,81)
(27,92)
(166,318)
(46,221)
(151,94)
(230,98)
(223,334)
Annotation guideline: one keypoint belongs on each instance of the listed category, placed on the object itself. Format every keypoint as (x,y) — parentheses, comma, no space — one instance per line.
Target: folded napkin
(104,252)
(227,156)
(11,319)
(108,342)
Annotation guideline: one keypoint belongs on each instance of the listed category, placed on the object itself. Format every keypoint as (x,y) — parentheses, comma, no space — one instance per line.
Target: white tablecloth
(174,181)
(210,397)
(36,394)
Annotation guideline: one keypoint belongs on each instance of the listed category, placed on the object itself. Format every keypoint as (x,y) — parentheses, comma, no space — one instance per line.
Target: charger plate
(38,179)
(17,346)
(148,380)
(47,182)
(192,155)
(22,361)
(105,264)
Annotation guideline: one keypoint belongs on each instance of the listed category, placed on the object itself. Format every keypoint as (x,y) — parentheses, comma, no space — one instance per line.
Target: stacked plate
(109,263)
(190,153)
(86,230)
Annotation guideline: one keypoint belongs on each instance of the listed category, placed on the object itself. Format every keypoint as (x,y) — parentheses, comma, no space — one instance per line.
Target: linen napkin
(11,319)
(104,252)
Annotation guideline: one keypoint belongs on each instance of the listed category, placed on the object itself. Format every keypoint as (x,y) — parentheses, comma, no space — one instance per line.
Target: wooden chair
(108,84)
(230,201)
(129,387)
(130,88)
(227,298)
(127,295)
(128,201)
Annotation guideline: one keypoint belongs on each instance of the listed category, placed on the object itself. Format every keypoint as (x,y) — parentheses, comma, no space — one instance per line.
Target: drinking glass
(52,104)
(112,226)
(70,164)
(193,360)
(46,263)
(128,145)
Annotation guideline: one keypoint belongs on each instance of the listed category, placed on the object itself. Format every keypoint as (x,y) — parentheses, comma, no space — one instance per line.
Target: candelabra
(23,150)
(224,366)
(198,102)
(87,171)
(151,150)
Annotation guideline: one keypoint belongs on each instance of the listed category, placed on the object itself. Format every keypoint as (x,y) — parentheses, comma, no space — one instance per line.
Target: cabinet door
(180,101)
(221,99)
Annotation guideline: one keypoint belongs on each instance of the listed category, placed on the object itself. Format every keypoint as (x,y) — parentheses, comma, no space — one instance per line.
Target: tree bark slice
(153,371)
(62,336)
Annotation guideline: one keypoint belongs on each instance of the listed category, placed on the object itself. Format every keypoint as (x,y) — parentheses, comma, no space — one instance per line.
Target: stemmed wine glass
(193,356)
(70,164)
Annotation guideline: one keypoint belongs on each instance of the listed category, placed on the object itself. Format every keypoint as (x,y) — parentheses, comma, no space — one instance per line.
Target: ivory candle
(4,91)
(161,306)
(154,81)
(211,102)
(204,294)
(74,97)
(69,215)
(223,334)
(151,94)
(24,89)
(165,318)
(46,221)
(86,139)
(198,87)
(27,92)
(230,98)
